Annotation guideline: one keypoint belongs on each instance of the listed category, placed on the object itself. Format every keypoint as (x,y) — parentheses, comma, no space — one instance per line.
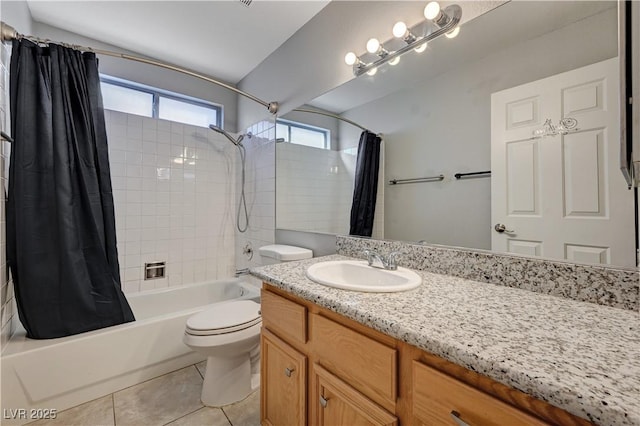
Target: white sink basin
(357,275)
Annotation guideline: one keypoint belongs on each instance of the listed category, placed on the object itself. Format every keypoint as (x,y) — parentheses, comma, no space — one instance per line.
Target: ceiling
(223,39)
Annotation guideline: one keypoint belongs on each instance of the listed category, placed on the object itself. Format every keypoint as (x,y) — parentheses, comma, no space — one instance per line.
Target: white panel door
(561,197)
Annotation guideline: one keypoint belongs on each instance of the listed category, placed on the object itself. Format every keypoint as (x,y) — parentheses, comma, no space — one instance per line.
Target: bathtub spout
(243,271)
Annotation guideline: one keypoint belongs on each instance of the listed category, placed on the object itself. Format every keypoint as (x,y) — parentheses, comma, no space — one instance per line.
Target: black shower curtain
(365,188)
(61,241)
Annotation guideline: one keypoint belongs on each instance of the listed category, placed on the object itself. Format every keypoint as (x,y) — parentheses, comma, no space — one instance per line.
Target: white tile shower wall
(174,194)
(314,188)
(8,311)
(259,192)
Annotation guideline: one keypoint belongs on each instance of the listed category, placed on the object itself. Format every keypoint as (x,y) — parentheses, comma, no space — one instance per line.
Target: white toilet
(228,334)
(277,253)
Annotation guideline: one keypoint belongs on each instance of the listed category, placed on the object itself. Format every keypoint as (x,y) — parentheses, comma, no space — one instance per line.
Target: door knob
(501,228)
(288,371)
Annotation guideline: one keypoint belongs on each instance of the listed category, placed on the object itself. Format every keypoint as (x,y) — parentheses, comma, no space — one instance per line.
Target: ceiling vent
(247,3)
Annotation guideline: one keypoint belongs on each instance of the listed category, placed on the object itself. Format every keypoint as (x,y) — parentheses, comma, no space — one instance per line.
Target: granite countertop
(581,357)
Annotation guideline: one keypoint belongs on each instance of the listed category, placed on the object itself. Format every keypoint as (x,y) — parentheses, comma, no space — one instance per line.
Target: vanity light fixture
(438,22)
(421,48)
(453,33)
(432,12)
(566,125)
(351,58)
(400,30)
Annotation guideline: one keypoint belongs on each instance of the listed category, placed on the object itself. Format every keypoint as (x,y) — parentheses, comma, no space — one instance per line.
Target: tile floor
(172,399)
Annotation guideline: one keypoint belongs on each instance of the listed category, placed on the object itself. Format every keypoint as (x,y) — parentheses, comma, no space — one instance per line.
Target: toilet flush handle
(288,371)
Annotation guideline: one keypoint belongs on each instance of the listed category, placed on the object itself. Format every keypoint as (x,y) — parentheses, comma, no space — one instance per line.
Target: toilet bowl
(228,334)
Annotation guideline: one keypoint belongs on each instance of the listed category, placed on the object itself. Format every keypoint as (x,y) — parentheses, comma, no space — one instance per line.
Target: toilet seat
(224,318)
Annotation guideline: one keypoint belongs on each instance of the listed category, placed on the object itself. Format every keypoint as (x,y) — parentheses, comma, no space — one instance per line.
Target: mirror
(435,113)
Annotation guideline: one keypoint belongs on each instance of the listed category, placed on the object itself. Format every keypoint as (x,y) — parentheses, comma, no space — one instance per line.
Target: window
(184,112)
(133,98)
(124,99)
(303,134)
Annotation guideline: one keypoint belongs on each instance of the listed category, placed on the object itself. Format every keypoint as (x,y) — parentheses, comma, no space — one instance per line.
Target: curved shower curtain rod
(346,120)
(328,114)
(9,33)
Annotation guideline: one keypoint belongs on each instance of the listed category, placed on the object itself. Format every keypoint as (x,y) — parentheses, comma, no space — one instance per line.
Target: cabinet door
(439,399)
(283,383)
(335,403)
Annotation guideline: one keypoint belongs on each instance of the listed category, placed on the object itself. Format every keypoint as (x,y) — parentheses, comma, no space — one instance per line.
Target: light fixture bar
(454,12)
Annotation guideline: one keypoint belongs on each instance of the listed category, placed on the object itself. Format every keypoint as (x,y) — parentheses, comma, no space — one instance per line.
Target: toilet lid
(285,253)
(225,318)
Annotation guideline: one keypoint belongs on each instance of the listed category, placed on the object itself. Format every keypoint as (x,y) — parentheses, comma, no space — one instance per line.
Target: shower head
(227,135)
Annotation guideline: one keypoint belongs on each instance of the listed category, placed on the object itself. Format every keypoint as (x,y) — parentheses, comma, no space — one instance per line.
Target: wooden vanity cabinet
(441,399)
(321,368)
(364,363)
(334,403)
(284,383)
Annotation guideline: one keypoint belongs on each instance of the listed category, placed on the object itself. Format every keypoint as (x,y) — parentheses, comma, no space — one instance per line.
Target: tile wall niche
(174,193)
(9,313)
(314,188)
(259,193)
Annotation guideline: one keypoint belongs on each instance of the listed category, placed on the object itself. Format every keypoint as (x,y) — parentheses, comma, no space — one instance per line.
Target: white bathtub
(61,373)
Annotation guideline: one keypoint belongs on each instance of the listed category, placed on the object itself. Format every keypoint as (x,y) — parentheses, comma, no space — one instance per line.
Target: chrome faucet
(377,260)
(392,260)
(374,259)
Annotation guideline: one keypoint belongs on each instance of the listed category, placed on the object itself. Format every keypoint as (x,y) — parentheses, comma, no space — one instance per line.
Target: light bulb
(431,10)
(350,58)
(421,48)
(453,33)
(394,61)
(372,71)
(399,29)
(373,45)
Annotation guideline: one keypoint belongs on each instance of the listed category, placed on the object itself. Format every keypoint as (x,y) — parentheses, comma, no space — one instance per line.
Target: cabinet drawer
(334,402)
(284,317)
(437,398)
(367,365)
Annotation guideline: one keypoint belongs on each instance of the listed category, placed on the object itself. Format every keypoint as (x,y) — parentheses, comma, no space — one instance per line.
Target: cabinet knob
(456,418)
(288,371)
(323,401)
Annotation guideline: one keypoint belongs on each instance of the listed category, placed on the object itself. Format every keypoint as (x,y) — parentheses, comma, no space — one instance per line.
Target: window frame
(304,126)
(157,93)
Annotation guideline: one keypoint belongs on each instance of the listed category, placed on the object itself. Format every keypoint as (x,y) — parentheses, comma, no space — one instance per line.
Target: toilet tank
(277,253)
